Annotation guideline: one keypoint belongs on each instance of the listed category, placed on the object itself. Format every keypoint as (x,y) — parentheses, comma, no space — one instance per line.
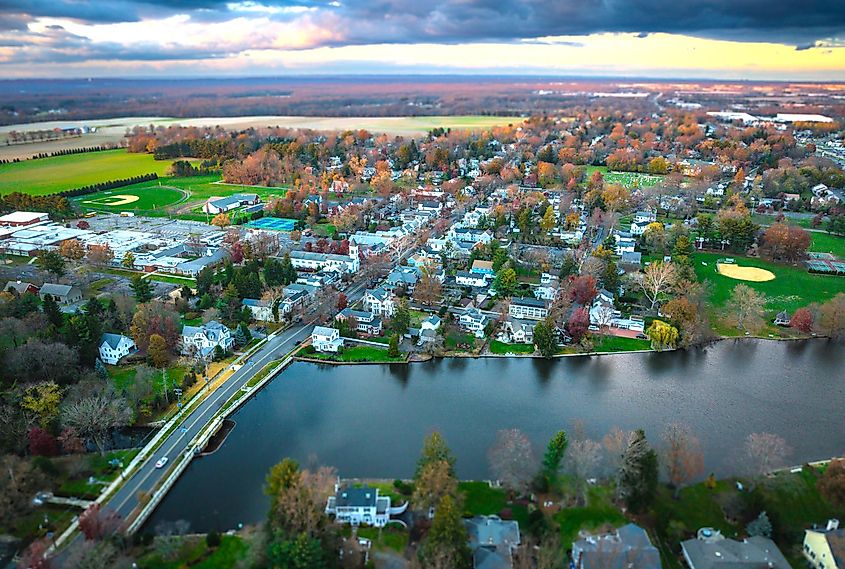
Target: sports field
(273,224)
(138,200)
(625,179)
(51,175)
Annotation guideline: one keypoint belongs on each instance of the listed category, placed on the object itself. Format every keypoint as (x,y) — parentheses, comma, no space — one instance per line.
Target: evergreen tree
(304,552)
(401,320)
(446,541)
(545,338)
(435,450)
(638,473)
(553,456)
(142,289)
(242,335)
(205,279)
(52,311)
(761,526)
(393,347)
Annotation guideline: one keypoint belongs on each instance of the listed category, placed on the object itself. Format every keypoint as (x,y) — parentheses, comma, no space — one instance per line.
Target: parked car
(161,462)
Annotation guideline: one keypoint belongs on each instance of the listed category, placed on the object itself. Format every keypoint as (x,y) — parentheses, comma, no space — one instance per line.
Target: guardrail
(198,442)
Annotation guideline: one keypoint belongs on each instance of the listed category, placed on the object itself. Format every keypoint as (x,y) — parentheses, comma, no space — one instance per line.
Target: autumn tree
(435,449)
(100,255)
(96,524)
(831,319)
(434,481)
(428,289)
(681,455)
(578,324)
(155,318)
(663,336)
(42,400)
(765,452)
(221,220)
(802,320)
(545,338)
(747,307)
(95,416)
(657,280)
(157,352)
(505,282)
(72,249)
(582,461)
(445,544)
(583,289)
(784,243)
(832,483)
(512,459)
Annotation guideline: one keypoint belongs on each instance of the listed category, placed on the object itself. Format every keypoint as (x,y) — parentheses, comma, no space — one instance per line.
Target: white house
(63,294)
(115,346)
(217,205)
(204,339)
(379,301)
(261,309)
(528,308)
(359,506)
(645,217)
(365,321)
(473,320)
(326,339)
(549,287)
(312,261)
(466,278)
(517,331)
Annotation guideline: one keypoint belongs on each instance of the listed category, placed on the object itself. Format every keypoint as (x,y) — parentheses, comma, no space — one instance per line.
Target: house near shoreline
(206,338)
(361,506)
(326,339)
(711,550)
(626,547)
(492,541)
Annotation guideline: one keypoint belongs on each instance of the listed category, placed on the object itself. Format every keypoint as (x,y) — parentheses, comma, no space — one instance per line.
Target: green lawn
(792,288)
(598,512)
(194,553)
(51,175)
(482,500)
(619,344)
(626,179)
(123,376)
(151,200)
(97,466)
(497,347)
(455,337)
(355,354)
(827,243)
(393,536)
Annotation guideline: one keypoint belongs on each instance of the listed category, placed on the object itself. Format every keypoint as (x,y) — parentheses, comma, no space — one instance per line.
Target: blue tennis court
(273,223)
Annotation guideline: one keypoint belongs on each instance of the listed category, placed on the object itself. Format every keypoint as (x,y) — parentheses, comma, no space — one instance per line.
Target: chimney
(832,524)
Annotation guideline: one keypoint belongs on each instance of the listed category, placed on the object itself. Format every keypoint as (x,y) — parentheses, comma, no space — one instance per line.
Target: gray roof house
(63,294)
(627,548)
(492,541)
(710,550)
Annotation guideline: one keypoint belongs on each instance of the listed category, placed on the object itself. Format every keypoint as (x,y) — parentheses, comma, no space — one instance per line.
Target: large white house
(261,309)
(204,339)
(473,320)
(115,346)
(379,301)
(466,278)
(528,308)
(359,506)
(326,339)
(312,261)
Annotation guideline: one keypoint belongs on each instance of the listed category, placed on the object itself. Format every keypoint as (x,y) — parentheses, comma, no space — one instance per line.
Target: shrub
(212,539)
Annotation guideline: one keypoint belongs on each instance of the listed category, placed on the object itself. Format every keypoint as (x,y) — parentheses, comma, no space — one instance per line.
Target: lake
(369,421)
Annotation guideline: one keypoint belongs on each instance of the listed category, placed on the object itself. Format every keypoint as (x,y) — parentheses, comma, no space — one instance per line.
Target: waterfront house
(113,347)
(63,294)
(492,541)
(379,301)
(528,308)
(628,546)
(365,321)
(517,331)
(782,318)
(824,548)
(473,320)
(204,339)
(326,339)
(359,506)
(711,550)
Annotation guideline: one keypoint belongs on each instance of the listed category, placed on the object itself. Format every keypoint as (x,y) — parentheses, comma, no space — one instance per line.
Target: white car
(161,462)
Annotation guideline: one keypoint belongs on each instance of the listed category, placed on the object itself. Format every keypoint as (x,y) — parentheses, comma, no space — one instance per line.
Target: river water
(369,421)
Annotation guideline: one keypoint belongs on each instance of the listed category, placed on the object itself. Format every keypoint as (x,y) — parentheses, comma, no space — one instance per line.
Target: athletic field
(51,175)
(626,179)
(149,199)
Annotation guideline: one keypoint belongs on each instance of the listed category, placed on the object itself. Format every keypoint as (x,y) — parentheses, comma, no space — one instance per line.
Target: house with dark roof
(261,310)
(21,287)
(113,347)
(359,506)
(217,205)
(626,548)
(711,550)
(528,308)
(824,548)
(492,541)
(365,321)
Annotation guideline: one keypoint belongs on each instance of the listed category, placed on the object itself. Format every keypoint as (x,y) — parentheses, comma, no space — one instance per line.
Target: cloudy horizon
(660,39)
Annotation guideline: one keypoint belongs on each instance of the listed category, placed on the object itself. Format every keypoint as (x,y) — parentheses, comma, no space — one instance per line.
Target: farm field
(626,179)
(59,173)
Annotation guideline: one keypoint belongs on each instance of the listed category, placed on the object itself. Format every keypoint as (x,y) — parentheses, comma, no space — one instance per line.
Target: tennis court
(273,224)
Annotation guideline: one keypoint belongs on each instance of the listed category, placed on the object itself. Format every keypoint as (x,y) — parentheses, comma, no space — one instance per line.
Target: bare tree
(656,280)
(95,416)
(550,555)
(747,307)
(681,455)
(583,457)
(512,459)
(765,452)
(615,443)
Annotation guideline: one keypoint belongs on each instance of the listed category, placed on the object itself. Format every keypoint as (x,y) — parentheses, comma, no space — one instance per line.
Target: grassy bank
(356,354)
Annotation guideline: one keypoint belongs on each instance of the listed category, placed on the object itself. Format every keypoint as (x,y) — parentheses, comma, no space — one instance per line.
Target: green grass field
(827,243)
(792,288)
(51,175)
(619,344)
(497,347)
(150,199)
(358,354)
(626,179)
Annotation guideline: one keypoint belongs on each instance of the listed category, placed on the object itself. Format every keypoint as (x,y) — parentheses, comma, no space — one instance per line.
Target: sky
(729,39)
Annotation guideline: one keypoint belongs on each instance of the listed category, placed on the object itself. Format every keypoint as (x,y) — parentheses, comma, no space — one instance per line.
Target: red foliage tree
(342,301)
(578,323)
(802,320)
(583,289)
(787,243)
(96,524)
(42,443)
(35,556)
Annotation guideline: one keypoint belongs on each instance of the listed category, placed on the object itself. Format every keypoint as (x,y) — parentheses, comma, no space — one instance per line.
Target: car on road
(161,462)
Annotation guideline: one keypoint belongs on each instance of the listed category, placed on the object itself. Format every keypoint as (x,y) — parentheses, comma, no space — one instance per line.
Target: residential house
(261,309)
(627,547)
(204,339)
(63,294)
(113,347)
(492,541)
(645,217)
(825,548)
(481,267)
(402,277)
(528,308)
(379,301)
(466,278)
(549,287)
(428,329)
(326,339)
(473,320)
(21,287)
(782,318)
(517,331)
(711,550)
(359,506)
(309,260)
(430,206)
(631,261)
(365,321)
